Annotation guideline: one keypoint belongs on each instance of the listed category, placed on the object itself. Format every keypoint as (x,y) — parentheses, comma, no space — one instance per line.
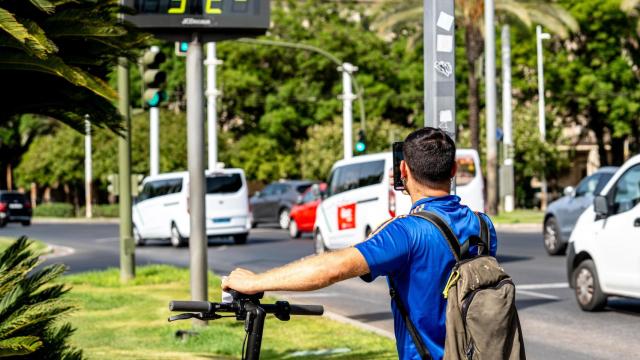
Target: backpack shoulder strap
(458,250)
(415,336)
(485,237)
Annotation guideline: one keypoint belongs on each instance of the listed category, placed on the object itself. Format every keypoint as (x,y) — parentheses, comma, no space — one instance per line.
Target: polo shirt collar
(436,201)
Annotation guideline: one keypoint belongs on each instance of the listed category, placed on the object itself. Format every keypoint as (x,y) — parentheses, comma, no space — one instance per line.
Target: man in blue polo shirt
(408,249)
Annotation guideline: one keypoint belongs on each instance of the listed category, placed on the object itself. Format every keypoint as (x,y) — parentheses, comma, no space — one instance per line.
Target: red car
(303,214)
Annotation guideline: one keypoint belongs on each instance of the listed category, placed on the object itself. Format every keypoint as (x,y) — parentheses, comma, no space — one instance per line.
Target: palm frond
(43,5)
(19,345)
(19,32)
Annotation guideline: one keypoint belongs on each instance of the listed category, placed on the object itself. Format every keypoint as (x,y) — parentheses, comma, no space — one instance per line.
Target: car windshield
(224,183)
(12,197)
(466,170)
(302,188)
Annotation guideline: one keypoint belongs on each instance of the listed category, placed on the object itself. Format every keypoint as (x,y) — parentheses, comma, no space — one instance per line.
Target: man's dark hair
(430,154)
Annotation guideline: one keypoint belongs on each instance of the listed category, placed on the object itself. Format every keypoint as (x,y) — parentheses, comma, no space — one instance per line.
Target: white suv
(604,248)
(161,211)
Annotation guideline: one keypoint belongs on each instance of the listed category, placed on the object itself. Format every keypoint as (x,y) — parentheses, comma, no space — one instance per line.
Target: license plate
(15,206)
(221,220)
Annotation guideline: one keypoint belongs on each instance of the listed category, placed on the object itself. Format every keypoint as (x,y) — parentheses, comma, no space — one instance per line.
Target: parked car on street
(161,211)
(303,214)
(359,197)
(604,248)
(14,207)
(273,204)
(562,214)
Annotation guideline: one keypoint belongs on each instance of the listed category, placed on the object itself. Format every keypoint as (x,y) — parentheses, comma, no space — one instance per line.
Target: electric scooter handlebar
(191,306)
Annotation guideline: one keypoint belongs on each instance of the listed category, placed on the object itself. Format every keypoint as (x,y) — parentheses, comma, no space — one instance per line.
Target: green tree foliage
(30,307)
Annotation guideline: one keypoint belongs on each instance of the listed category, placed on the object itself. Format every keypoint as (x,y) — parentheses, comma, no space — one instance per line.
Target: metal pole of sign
(439,67)
(541,106)
(195,150)
(347,108)
(508,178)
(87,167)
(490,88)
(127,247)
(154,133)
(212,112)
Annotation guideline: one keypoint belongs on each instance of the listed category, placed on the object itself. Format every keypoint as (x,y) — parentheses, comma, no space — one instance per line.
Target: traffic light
(181,48)
(361,144)
(113,187)
(154,78)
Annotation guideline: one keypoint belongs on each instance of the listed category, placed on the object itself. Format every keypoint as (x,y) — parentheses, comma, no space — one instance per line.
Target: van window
(354,176)
(224,183)
(627,190)
(159,188)
(466,170)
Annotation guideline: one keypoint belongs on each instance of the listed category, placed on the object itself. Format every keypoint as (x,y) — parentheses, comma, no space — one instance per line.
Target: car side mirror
(299,200)
(601,206)
(569,191)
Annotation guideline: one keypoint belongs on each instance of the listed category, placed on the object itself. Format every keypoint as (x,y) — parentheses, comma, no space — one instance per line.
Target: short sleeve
(387,251)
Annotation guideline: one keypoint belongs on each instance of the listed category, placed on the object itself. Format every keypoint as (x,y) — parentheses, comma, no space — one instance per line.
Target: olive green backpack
(482,320)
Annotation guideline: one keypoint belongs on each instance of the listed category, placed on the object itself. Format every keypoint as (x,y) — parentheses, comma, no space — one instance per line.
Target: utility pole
(195,146)
(127,247)
(439,65)
(212,112)
(508,185)
(541,114)
(87,168)
(490,79)
(347,108)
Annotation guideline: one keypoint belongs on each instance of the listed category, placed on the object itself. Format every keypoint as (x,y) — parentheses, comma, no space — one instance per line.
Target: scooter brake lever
(184,316)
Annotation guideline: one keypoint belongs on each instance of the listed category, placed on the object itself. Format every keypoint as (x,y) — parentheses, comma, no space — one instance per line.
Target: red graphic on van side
(347,217)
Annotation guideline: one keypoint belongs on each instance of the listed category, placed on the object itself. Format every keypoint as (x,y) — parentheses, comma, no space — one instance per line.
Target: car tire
(177,240)
(26,223)
(551,237)
(3,223)
(294,231)
(137,238)
(319,243)
(284,219)
(587,288)
(240,239)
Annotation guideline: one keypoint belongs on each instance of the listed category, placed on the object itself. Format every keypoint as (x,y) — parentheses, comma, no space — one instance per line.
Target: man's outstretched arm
(310,273)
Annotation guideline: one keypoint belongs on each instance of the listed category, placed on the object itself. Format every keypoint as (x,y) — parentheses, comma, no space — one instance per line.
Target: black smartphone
(398,156)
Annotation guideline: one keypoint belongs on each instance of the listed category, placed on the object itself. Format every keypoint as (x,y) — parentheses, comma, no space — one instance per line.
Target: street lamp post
(212,112)
(490,88)
(507,173)
(87,167)
(541,106)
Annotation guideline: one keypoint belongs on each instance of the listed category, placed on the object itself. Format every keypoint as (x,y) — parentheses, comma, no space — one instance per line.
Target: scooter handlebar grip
(316,310)
(190,306)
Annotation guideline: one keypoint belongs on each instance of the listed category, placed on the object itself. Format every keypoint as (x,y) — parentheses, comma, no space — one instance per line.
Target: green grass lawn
(37,245)
(519,216)
(116,321)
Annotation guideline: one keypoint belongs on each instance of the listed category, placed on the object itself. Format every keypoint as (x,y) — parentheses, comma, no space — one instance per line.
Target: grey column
(439,65)
(490,88)
(195,154)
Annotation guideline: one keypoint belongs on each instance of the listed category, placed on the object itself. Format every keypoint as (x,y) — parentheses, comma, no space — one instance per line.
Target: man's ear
(454,169)
(404,170)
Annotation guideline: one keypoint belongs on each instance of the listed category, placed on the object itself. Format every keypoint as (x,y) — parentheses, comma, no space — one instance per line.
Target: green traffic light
(157,98)
(184,46)
(360,146)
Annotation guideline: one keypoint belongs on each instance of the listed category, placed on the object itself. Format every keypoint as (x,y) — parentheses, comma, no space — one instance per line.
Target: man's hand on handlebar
(243,281)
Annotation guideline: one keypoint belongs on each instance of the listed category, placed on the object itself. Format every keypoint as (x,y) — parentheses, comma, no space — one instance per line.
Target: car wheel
(587,287)
(137,238)
(319,242)
(176,239)
(3,223)
(284,218)
(552,241)
(240,239)
(26,223)
(294,232)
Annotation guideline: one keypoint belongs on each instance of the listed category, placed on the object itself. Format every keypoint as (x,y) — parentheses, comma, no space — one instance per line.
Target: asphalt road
(554,327)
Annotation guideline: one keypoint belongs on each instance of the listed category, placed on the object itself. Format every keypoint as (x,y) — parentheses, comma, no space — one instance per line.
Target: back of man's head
(431,155)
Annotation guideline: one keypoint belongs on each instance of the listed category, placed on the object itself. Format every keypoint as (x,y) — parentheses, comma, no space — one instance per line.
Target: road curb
(53,220)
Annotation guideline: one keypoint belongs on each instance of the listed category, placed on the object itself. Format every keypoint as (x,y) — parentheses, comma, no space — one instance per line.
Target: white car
(161,211)
(359,197)
(604,248)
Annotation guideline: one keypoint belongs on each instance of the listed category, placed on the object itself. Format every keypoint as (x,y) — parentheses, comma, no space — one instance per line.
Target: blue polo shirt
(416,255)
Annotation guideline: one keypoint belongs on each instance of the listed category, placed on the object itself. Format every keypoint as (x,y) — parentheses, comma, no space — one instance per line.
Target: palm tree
(56,55)
(470,17)
(30,305)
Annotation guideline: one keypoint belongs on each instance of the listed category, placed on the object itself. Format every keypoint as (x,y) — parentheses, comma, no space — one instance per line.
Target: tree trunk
(617,151)
(596,124)
(474,46)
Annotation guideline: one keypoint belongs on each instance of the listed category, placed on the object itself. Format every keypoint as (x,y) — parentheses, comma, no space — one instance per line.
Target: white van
(161,211)
(359,198)
(604,248)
